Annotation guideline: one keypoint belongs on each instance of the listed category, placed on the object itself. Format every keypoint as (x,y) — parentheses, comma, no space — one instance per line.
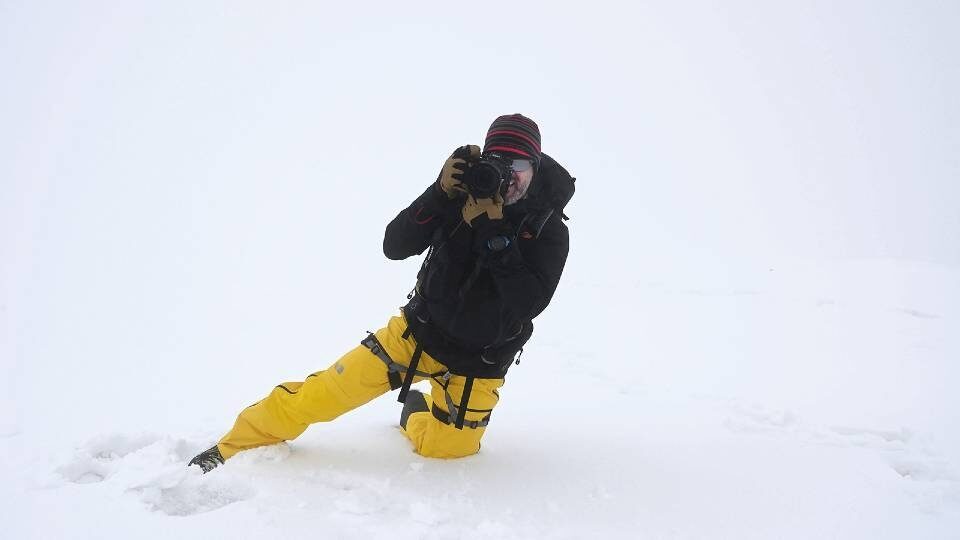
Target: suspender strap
(464,400)
(411,371)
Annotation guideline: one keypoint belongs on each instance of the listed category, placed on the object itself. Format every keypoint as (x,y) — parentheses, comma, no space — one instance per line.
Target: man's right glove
(491,209)
(451,176)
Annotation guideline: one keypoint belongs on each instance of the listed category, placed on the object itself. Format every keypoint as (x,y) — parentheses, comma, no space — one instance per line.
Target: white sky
(728,129)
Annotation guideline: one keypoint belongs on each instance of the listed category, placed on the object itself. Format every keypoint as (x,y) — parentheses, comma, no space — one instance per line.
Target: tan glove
(474,208)
(451,176)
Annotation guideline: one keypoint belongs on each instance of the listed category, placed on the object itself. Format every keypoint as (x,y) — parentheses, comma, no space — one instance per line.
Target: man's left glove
(491,233)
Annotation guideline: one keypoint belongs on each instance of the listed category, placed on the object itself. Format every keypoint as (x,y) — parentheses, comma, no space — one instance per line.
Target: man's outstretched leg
(351,381)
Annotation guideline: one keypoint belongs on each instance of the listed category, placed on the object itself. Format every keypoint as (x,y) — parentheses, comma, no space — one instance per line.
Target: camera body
(487,176)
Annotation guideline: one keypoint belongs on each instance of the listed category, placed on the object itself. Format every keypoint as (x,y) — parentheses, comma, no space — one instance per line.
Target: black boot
(415,403)
(208,459)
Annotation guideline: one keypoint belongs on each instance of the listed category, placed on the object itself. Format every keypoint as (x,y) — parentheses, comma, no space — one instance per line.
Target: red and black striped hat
(516,134)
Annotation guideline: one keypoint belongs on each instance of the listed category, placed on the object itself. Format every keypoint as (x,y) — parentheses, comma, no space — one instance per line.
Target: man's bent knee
(447,451)
(432,438)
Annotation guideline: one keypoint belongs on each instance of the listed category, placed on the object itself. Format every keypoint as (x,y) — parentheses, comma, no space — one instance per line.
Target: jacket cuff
(433,202)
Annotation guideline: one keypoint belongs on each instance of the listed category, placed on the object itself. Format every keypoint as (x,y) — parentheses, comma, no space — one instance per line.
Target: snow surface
(756,335)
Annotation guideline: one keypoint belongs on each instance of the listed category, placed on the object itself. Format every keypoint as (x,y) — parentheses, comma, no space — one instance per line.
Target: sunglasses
(515,165)
(521,165)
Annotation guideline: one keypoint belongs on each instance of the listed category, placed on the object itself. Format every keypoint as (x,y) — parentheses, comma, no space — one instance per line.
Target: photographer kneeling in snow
(497,247)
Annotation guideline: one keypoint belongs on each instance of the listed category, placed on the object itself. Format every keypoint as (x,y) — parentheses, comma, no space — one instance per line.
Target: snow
(755,336)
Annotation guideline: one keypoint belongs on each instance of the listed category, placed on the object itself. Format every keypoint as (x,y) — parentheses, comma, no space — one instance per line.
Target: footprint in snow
(187,492)
(153,468)
(900,449)
(918,314)
(96,460)
(756,419)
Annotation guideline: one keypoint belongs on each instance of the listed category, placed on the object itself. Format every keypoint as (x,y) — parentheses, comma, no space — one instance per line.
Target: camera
(485,177)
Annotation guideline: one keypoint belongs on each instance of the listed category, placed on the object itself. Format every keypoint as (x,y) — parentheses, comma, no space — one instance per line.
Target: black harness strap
(394,369)
(464,400)
(445,417)
(411,371)
(395,380)
(456,414)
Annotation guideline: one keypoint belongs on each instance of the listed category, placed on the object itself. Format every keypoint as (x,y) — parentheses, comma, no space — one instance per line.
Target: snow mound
(152,468)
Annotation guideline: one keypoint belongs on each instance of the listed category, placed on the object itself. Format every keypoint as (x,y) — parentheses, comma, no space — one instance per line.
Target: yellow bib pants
(356,378)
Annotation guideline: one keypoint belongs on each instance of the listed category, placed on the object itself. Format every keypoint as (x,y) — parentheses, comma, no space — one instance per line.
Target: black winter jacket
(473,309)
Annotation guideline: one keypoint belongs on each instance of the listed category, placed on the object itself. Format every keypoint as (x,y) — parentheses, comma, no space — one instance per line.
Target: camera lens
(486,181)
(486,177)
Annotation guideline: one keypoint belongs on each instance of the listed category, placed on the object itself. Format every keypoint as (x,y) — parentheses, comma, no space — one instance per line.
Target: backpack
(553,189)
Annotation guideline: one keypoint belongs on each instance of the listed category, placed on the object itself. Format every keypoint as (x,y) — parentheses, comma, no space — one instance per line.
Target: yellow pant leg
(433,438)
(351,381)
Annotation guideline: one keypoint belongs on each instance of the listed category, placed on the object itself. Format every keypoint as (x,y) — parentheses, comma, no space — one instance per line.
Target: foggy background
(756,325)
(193,194)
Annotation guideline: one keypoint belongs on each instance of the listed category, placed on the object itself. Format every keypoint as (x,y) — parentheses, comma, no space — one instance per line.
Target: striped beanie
(516,134)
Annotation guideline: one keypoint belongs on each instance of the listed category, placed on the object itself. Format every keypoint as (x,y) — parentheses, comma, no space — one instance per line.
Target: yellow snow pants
(356,378)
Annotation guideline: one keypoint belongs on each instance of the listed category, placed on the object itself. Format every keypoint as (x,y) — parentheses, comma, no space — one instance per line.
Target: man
(497,248)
